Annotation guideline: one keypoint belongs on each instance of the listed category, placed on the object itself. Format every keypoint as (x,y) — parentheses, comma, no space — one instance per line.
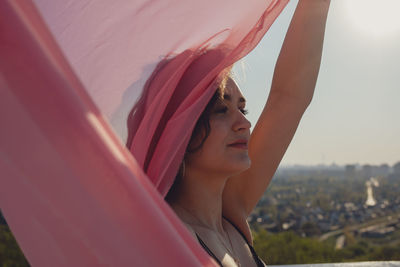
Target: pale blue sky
(354,116)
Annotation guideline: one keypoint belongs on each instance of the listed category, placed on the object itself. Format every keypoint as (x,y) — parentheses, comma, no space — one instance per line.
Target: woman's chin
(243,160)
(240,165)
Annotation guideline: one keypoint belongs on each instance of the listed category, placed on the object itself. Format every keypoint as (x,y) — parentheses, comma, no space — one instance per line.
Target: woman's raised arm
(292,88)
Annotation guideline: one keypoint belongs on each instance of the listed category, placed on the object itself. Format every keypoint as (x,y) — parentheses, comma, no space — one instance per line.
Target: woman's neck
(199,201)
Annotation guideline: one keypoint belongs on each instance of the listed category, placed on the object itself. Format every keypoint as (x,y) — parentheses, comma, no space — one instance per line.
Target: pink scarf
(71,72)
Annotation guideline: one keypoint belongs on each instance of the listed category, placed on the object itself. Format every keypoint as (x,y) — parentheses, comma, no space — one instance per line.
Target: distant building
(340,242)
(288,225)
(367,170)
(349,206)
(350,169)
(383,170)
(396,168)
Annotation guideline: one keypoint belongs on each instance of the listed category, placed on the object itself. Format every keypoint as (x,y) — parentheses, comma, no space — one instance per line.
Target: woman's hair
(200,133)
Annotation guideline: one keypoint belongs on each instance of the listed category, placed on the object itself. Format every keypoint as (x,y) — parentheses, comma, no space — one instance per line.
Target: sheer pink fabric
(70,191)
(114,49)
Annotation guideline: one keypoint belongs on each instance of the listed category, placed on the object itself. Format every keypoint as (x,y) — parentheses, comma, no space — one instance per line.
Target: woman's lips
(239,145)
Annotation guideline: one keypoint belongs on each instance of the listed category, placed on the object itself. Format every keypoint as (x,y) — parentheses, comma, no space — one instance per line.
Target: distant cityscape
(333,202)
(366,169)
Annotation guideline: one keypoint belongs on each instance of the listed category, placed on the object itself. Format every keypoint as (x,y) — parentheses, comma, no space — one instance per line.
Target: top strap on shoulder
(208,250)
(258,261)
(237,229)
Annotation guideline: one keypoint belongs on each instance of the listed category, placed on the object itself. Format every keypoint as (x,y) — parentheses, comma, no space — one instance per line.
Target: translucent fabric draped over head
(69,70)
(115,48)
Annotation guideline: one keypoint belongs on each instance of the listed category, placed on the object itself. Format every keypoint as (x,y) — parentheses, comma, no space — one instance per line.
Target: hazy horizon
(333,164)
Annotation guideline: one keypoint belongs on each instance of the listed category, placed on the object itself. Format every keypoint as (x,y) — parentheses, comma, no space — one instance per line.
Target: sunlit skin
(221,180)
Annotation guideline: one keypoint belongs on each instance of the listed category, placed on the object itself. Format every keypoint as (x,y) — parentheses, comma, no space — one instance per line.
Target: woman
(226,170)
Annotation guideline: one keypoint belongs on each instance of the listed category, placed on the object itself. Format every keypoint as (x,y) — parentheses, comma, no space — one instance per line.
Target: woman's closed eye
(224,109)
(244,111)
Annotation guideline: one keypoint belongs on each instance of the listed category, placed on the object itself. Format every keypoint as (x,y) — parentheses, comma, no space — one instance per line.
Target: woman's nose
(241,123)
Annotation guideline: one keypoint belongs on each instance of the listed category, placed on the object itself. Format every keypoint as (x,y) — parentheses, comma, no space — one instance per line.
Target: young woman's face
(225,150)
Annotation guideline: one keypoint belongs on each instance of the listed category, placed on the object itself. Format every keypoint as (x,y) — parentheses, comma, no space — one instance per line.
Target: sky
(354,116)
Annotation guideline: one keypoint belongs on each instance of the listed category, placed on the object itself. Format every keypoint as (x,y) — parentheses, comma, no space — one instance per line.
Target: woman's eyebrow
(228,97)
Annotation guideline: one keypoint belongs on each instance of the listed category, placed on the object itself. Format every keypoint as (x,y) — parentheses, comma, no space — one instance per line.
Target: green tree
(10,253)
(289,248)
